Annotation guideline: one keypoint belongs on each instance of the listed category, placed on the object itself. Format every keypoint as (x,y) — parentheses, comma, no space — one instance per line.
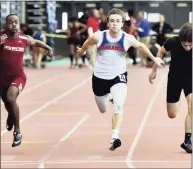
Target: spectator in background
(102,20)
(93,26)
(93,22)
(26,30)
(133,23)
(75,29)
(84,18)
(28,56)
(143,32)
(161,28)
(84,35)
(132,29)
(37,52)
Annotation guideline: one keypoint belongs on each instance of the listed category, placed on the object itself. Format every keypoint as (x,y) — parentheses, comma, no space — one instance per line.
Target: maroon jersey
(11,57)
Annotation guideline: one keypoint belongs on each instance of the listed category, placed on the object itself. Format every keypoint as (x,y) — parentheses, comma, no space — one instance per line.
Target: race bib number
(122,78)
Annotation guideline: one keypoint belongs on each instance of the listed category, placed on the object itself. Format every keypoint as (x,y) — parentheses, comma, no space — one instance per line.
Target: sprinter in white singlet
(110,74)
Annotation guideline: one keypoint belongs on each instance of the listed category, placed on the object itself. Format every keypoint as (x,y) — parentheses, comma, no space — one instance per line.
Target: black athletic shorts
(176,85)
(102,87)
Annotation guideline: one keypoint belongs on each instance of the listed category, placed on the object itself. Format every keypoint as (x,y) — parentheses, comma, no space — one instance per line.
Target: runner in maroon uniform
(12,77)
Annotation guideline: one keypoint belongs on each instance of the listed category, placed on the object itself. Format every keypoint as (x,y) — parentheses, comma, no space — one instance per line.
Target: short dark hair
(73,19)
(85,9)
(98,8)
(9,16)
(185,33)
(131,12)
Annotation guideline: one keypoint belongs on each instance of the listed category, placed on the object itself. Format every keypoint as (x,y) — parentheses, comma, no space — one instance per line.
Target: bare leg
(102,102)
(12,106)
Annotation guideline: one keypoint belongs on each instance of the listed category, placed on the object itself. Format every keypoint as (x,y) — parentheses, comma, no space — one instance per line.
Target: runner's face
(187,45)
(115,23)
(13,24)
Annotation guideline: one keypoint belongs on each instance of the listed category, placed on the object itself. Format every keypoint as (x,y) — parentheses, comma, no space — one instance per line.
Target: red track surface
(62,127)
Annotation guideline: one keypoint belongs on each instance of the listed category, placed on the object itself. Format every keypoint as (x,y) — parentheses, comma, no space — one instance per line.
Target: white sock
(115,133)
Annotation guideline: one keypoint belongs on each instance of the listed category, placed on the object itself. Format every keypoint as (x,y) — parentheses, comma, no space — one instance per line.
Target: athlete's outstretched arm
(160,54)
(89,42)
(135,43)
(153,74)
(33,42)
(144,50)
